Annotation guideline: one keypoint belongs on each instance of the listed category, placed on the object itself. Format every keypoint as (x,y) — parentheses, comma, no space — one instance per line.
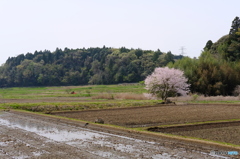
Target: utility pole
(182,49)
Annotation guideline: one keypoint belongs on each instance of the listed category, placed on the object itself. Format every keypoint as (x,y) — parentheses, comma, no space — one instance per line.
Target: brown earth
(159,114)
(227,132)
(29,135)
(109,142)
(171,114)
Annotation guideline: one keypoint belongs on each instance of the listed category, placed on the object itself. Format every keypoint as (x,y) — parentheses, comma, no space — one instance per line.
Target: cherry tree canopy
(165,82)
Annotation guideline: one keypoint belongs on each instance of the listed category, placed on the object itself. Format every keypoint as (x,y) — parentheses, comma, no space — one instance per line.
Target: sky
(168,25)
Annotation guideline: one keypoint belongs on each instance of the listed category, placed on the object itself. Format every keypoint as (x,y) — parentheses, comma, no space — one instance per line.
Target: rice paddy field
(215,119)
(217,122)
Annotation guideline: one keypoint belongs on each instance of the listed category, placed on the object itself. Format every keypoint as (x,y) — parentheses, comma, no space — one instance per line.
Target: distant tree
(165,82)
(169,57)
(29,56)
(208,45)
(156,55)
(235,26)
(123,49)
(138,52)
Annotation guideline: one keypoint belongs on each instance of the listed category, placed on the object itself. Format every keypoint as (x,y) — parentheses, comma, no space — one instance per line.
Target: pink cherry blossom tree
(165,82)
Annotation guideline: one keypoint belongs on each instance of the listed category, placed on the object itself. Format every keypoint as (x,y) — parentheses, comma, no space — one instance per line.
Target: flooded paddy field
(28,135)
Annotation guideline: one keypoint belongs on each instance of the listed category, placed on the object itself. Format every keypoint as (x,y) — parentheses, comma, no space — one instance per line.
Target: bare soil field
(29,135)
(227,132)
(159,114)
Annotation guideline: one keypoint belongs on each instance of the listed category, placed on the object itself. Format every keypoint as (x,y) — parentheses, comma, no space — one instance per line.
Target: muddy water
(90,143)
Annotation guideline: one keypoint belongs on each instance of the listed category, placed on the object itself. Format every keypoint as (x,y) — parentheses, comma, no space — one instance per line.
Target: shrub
(236,91)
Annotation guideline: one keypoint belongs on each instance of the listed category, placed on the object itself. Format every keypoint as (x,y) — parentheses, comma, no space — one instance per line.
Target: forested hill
(217,70)
(82,66)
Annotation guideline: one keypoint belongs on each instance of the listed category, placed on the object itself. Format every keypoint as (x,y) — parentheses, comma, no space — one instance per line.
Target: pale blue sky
(29,25)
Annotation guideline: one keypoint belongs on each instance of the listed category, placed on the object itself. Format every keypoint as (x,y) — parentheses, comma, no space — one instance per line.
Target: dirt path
(26,135)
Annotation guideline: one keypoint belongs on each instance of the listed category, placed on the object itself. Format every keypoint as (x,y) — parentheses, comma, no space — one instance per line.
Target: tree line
(82,66)
(217,70)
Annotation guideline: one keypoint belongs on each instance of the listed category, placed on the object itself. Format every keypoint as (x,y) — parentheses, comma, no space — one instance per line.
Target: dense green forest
(82,66)
(217,70)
